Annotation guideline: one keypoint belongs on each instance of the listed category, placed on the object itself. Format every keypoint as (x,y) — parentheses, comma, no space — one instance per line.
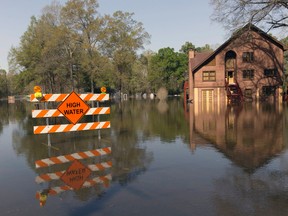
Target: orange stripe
(95,152)
(100,166)
(42,113)
(59,174)
(107,150)
(56,160)
(83,155)
(39,129)
(106,125)
(45,177)
(94,125)
(61,97)
(108,111)
(40,163)
(54,129)
(68,127)
(97,110)
(69,157)
(81,127)
(101,96)
(57,113)
(47,96)
(88,96)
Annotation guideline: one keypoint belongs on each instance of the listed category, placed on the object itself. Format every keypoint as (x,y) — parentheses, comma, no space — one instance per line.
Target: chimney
(191,54)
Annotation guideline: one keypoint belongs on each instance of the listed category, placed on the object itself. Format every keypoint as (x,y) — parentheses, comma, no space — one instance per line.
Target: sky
(170,23)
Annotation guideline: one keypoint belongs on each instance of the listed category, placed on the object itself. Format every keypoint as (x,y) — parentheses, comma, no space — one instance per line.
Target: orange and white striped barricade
(73,107)
(48,113)
(61,97)
(44,129)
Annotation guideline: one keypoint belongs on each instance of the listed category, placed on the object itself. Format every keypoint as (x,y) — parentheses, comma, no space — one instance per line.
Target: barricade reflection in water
(76,176)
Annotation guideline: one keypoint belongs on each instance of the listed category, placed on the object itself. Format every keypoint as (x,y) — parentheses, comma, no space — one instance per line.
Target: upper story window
(230,63)
(270,72)
(208,76)
(248,57)
(248,74)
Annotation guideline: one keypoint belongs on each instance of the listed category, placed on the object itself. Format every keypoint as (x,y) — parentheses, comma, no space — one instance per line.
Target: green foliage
(186,47)
(72,46)
(167,69)
(3,84)
(189,46)
(205,48)
(82,19)
(123,37)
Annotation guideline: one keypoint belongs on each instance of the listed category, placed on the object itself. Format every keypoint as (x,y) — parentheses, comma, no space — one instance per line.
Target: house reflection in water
(248,134)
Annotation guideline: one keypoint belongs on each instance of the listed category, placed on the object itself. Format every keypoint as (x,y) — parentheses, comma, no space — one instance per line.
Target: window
(248,74)
(268,90)
(248,57)
(248,93)
(208,76)
(270,72)
(230,63)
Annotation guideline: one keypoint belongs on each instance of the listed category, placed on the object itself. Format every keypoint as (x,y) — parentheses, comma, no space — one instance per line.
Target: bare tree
(266,14)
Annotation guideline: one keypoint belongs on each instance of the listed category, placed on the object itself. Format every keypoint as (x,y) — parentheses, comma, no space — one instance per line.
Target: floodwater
(166,159)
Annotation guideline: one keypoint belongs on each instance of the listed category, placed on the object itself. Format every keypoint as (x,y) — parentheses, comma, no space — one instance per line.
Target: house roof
(203,58)
(199,58)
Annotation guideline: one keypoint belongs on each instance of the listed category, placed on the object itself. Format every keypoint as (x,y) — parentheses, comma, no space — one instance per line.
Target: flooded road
(158,158)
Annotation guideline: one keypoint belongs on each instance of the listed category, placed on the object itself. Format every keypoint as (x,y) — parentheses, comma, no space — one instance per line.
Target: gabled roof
(199,58)
(202,59)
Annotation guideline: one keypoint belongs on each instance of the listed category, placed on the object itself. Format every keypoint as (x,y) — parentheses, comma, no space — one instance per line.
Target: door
(230,75)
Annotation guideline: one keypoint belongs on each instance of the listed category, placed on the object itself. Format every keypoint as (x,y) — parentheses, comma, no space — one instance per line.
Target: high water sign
(73,108)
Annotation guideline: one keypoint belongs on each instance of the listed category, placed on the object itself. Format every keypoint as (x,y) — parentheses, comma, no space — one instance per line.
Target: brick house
(247,67)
